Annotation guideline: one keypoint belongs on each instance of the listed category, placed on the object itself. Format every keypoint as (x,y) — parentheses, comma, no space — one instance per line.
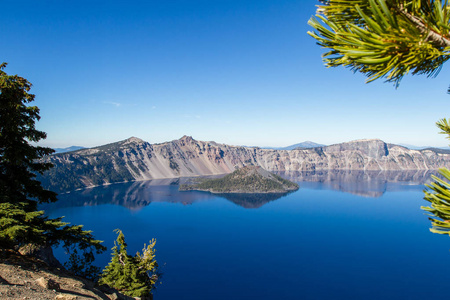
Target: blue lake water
(351,238)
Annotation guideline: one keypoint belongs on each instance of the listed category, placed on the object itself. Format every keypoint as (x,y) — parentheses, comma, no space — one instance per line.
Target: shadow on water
(136,195)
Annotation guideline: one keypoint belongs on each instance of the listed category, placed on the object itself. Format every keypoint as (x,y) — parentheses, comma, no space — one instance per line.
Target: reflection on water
(132,195)
(136,195)
(362,183)
(252,200)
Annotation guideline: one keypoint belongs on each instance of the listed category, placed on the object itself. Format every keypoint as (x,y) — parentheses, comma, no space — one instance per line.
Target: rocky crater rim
(136,160)
(190,139)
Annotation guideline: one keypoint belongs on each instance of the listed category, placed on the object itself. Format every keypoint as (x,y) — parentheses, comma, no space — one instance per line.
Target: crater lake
(342,235)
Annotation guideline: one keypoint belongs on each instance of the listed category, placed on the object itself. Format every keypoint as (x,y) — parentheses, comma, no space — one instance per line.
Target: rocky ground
(24,277)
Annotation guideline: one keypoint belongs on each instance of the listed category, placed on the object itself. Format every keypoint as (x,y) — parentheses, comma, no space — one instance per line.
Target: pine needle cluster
(384,38)
(438,193)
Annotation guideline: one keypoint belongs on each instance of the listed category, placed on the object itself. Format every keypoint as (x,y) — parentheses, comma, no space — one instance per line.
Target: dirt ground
(23,277)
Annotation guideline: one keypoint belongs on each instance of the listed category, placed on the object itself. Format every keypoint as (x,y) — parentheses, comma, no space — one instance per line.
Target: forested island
(249,179)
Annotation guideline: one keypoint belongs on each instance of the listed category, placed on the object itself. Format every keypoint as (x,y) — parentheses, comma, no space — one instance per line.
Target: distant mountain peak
(133,140)
(304,145)
(68,149)
(186,138)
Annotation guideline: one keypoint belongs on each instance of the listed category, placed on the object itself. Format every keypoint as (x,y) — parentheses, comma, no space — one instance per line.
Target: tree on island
(133,276)
(388,39)
(21,223)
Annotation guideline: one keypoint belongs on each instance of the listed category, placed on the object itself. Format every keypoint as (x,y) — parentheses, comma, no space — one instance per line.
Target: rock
(79,285)
(118,296)
(112,293)
(113,296)
(65,297)
(375,149)
(49,284)
(44,253)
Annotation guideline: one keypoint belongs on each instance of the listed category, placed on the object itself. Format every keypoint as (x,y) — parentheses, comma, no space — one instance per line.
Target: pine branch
(384,38)
(444,126)
(431,36)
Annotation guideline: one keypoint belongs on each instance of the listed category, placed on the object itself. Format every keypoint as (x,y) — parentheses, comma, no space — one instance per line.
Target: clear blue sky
(238,72)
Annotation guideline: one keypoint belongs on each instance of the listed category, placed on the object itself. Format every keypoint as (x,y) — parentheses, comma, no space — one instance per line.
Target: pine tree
(18,158)
(389,39)
(134,276)
(20,221)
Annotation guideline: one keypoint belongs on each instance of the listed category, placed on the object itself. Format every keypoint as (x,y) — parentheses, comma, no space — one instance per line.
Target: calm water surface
(336,238)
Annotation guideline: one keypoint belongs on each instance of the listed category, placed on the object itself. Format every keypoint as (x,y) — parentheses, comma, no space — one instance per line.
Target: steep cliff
(134,159)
